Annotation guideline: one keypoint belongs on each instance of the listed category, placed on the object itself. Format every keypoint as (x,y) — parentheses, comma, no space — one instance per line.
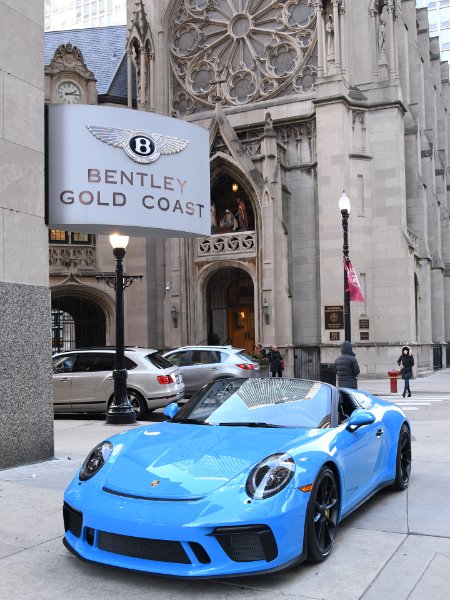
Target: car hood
(181,461)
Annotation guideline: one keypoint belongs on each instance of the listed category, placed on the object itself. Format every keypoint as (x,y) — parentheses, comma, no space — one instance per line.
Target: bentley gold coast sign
(111,169)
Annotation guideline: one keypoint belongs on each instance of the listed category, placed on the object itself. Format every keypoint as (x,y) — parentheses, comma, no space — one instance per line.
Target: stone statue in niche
(382,33)
(242,215)
(229,221)
(268,126)
(213,218)
(330,37)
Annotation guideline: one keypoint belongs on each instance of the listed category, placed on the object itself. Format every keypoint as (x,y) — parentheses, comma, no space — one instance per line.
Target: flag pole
(344,205)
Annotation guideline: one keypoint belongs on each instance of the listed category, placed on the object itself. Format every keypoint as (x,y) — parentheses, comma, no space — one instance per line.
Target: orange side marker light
(306,488)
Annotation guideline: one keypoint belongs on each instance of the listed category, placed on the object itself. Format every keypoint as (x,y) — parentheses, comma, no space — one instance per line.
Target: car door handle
(110,378)
(65,379)
(380,432)
(214,368)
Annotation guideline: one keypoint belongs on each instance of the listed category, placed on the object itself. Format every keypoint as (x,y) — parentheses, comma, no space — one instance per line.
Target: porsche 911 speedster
(250,476)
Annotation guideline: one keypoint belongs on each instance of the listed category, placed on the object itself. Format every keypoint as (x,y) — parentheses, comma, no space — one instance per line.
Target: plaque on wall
(334,317)
(364,323)
(335,336)
(364,335)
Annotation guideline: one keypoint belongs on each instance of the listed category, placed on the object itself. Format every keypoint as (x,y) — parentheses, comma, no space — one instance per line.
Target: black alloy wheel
(403,464)
(138,403)
(322,516)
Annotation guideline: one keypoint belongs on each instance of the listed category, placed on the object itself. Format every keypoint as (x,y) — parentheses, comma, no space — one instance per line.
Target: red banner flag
(353,286)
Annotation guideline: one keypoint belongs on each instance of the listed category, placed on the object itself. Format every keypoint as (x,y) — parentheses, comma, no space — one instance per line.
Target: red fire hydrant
(393,380)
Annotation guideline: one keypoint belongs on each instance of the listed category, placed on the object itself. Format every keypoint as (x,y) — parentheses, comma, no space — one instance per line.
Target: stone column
(373,15)
(151,83)
(129,74)
(320,40)
(143,75)
(390,11)
(337,37)
(343,32)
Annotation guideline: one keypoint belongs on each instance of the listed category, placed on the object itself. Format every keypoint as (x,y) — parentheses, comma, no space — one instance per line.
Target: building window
(59,236)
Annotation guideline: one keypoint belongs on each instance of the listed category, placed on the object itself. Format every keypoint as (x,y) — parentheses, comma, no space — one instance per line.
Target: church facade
(302,99)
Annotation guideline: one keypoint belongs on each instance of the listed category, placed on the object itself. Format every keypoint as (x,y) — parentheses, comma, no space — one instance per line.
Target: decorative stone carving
(359,131)
(382,27)
(68,57)
(254,51)
(62,258)
(226,244)
(330,37)
(296,143)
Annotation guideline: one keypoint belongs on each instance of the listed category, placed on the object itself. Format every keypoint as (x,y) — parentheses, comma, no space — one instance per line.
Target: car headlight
(270,477)
(95,460)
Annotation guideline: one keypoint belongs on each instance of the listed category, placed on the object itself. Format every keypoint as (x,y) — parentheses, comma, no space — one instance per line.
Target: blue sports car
(250,476)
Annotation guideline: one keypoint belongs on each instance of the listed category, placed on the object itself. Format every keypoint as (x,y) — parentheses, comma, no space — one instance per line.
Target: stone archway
(77,323)
(81,317)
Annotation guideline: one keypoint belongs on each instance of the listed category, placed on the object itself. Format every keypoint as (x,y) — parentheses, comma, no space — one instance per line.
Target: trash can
(393,381)
(328,373)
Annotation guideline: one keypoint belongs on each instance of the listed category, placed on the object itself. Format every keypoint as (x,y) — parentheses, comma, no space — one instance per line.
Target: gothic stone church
(302,99)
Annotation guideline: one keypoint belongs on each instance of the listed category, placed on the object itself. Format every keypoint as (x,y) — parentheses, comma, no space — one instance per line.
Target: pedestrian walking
(260,352)
(406,363)
(347,368)
(275,361)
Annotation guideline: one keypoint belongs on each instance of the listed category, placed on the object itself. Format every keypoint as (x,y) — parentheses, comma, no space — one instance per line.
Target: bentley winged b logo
(139,145)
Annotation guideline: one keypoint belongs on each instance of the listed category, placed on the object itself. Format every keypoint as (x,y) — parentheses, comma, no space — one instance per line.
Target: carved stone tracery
(241,50)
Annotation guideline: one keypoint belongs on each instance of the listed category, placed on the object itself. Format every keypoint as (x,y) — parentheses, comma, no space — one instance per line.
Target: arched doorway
(230,308)
(76,323)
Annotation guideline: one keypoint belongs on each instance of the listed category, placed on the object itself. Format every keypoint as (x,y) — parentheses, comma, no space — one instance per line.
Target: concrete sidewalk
(437,383)
(396,546)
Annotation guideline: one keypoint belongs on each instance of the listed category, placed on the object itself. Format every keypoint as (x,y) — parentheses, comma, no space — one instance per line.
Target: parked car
(83,380)
(249,476)
(201,364)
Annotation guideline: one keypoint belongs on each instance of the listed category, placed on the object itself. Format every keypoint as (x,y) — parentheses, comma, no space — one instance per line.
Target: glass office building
(439,19)
(77,14)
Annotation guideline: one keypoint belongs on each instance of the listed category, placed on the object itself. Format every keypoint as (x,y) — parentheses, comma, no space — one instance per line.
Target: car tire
(403,459)
(322,516)
(137,402)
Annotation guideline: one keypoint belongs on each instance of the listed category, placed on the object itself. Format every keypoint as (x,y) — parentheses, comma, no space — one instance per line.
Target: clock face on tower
(68,92)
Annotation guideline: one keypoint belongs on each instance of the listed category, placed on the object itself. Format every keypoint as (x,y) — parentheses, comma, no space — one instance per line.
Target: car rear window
(159,361)
(129,364)
(245,356)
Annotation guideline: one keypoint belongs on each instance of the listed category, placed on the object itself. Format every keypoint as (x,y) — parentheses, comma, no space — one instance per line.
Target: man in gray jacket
(347,368)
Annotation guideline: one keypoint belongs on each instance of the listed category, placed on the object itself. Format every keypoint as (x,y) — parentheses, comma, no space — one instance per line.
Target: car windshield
(276,402)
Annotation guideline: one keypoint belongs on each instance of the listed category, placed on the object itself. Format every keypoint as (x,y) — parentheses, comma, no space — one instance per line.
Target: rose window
(240,50)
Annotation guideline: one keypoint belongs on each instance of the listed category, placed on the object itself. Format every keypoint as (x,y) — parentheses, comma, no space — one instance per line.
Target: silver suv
(201,364)
(83,380)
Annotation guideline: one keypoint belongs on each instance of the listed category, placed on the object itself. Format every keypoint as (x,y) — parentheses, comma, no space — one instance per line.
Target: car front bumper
(223,534)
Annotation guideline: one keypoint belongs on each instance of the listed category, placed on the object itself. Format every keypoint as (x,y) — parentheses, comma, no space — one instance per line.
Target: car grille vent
(73,520)
(200,553)
(247,543)
(160,550)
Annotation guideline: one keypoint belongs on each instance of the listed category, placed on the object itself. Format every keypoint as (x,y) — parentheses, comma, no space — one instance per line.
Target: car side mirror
(171,410)
(358,419)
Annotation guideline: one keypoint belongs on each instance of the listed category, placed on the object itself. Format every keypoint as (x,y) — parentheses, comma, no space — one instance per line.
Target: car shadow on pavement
(155,417)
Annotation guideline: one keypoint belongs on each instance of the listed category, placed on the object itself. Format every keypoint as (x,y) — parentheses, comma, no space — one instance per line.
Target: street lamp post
(120,412)
(344,207)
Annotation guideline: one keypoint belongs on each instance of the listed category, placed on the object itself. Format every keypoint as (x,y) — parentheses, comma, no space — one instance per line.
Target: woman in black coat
(347,368)
(275,361)
(406,363)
